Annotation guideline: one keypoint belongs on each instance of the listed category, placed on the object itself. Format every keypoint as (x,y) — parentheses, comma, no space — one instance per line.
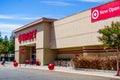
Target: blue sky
(16,13)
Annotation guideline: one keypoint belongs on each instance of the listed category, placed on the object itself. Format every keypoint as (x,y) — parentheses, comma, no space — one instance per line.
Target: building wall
(49,56)
(74,31)
(77,30)
(40,55)
(103,54)
(44,54)
(17,44)
(46,38)
(26,43)
(40,36)
(42,43)
(17,56)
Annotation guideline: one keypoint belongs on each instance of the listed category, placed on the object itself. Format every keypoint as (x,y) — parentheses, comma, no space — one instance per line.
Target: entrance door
(33,54)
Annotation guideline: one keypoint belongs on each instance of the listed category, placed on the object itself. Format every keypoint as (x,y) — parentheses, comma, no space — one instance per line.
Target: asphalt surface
(11,73)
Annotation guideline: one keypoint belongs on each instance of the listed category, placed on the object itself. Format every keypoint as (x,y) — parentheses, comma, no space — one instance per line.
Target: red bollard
(38,63)
(15,64)
(119,72)
(51,66)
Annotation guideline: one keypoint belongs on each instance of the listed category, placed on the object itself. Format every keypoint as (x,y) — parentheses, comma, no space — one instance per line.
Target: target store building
(49,39)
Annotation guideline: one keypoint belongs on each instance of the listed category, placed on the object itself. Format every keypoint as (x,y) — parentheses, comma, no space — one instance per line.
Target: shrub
(104,63)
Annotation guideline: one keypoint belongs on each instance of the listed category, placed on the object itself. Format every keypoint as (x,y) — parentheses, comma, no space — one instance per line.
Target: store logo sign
(95,14)
(27,36)
(109,10)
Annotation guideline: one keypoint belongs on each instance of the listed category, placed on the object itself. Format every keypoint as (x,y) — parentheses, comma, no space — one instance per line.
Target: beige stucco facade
(65,37)
(41,42)
(78,30)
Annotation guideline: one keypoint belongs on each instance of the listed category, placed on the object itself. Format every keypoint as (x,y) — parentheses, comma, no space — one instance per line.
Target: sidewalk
(90,72)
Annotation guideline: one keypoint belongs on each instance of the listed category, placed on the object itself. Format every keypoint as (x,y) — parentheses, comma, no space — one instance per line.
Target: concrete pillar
(45,56)
(49,56)
(40,55)
(17,56)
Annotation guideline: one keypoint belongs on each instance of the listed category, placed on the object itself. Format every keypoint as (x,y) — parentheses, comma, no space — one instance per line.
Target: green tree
(6,38)
(1,48)
(12,37)
(110,36)
(12,43)
(6,45)
(1,39)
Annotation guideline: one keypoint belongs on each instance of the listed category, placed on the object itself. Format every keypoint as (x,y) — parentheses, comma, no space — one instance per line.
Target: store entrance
(28,54)
(33,55)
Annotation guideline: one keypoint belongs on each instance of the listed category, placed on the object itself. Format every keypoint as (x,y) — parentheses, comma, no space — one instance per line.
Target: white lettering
(103,11)
(114,9)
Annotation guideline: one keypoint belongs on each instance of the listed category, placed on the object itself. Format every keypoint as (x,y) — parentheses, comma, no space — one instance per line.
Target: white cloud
(8,35)
(95,0)
(6,28)
(5,17)
(17,17)
(29,18)
(57,3)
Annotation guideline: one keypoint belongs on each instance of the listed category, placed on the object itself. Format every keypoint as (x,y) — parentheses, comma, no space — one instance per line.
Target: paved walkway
(90,72)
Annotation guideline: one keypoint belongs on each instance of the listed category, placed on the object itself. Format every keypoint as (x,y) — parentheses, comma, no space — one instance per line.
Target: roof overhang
(34,23)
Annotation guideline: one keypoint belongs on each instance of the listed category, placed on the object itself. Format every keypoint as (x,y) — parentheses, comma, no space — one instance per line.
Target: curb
(72,72)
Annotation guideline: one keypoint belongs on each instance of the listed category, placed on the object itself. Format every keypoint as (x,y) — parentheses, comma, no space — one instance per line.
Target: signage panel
(105,11)
(27,36)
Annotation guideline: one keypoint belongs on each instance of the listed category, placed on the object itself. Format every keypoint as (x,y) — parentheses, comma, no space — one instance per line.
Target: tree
(110,36)
(6,38)
(12,43)
(1,48)
(6,45)
(12,37)
(1,39)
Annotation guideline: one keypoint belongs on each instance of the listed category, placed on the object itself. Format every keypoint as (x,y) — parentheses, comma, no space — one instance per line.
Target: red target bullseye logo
(95,14)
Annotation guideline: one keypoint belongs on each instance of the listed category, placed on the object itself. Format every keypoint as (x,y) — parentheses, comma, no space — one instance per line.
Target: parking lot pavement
(90,72)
